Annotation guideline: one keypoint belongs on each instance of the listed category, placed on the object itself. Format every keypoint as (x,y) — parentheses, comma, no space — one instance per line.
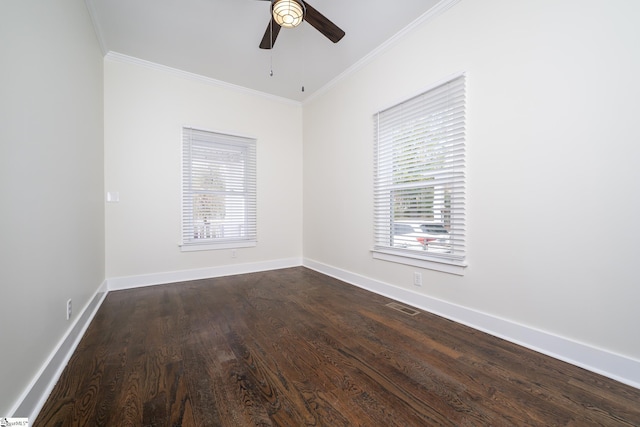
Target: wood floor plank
(294,347)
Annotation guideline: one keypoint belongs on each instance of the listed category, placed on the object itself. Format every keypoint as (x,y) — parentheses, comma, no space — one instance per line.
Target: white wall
(51,180)
(145,109)
(553,146)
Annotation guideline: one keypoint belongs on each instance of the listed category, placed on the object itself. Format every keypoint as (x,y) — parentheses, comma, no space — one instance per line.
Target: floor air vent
(403,308)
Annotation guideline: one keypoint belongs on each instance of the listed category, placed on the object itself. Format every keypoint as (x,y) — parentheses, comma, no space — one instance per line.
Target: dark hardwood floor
(296,348)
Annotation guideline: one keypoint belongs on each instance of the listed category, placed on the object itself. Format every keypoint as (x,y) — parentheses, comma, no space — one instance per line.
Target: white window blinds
(218,189)
(419,176)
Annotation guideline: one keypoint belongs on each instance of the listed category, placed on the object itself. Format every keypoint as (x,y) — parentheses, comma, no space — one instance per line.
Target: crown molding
(432,13)
(119,57)
(96,26)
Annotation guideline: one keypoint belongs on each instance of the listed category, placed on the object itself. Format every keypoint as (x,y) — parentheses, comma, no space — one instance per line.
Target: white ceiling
(219,39)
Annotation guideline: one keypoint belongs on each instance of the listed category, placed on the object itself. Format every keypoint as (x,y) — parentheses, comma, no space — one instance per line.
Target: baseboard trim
(35,395)
(130,282)
(603,362)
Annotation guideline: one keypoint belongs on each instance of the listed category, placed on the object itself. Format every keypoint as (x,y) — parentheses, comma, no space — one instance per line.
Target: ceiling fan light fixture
(288,13)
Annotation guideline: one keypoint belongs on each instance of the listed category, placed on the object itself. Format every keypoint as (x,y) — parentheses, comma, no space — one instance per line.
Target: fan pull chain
(304,68)
(271,46)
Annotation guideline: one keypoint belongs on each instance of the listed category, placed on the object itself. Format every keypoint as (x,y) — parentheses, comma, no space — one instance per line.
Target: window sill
(215,246)
(436,264)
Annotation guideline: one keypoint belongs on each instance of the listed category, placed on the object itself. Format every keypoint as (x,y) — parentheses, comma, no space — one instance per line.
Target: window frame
(208,149)
(389,173)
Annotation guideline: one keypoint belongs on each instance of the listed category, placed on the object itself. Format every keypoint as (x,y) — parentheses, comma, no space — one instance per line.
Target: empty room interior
(210,218)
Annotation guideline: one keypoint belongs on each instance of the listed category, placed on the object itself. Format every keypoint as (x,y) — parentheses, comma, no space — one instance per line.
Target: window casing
(419,178)
(218,190)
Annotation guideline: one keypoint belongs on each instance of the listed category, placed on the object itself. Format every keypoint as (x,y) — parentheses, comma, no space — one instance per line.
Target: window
(419,179)
(218,190)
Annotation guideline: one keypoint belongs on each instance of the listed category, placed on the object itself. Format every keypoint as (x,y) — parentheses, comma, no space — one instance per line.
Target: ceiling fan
(291,13)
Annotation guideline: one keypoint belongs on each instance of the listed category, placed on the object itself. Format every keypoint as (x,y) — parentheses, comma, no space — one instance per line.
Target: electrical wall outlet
(68,309)
(417,279)
(234,254)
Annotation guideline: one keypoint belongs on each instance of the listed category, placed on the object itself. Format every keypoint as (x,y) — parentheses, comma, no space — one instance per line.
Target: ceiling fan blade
(269,38)
(322,24)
